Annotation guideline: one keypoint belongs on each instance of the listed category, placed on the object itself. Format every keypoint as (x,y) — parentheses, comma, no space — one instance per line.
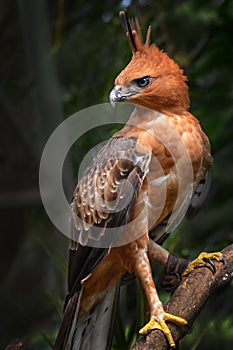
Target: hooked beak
(120,93)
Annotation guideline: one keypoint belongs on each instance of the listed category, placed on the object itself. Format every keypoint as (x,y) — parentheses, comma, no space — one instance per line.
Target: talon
(162,326)
(224,260)
(212,264)
(206,259)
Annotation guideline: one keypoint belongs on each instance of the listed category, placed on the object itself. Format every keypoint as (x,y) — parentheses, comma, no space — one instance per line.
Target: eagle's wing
(199,195)
(104,198)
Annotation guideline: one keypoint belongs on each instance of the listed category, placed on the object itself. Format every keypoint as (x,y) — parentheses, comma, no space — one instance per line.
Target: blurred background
(58,57)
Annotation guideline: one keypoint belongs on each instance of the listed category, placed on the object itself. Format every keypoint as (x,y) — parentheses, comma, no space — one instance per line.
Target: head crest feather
(133,33)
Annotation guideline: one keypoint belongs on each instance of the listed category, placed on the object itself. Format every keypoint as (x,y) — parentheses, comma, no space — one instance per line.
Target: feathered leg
(157,314)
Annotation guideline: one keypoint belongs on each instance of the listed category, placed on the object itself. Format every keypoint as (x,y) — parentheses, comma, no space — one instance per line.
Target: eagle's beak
(120,93)
(116,95)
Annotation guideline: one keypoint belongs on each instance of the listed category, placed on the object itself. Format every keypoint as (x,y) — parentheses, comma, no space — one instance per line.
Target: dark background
(58,57)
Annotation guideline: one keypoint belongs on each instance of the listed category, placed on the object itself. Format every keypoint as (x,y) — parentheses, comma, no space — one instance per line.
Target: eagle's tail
(90,331)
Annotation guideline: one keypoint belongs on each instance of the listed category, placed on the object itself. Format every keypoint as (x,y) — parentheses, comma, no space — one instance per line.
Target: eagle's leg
(207,260)
(174,267)
(157,314)
(157,253)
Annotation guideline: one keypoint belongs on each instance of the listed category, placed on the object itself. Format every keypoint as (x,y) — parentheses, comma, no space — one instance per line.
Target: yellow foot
(160,324)
(205,259)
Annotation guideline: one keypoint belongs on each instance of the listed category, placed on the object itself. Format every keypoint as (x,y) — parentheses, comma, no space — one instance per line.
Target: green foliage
(88,49)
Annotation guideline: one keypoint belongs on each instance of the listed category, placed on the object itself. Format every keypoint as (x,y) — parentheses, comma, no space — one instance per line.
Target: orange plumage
(155,81)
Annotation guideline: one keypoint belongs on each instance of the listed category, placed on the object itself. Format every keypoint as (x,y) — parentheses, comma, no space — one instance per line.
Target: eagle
(137,189)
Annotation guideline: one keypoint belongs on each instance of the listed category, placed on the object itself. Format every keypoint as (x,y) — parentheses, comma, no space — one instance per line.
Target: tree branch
(188,300)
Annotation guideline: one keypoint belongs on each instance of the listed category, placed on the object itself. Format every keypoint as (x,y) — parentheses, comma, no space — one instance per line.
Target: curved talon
(162,326)
(212,266)
(224,260)
(206,259)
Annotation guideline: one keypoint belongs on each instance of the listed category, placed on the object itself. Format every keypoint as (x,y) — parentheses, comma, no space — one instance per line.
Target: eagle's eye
(143,82)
